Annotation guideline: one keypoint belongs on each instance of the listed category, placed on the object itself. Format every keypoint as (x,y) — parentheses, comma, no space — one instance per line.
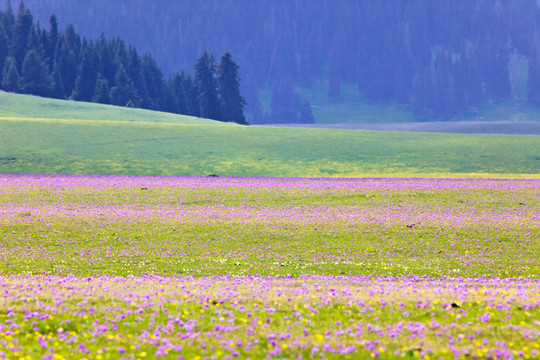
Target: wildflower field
(136,267)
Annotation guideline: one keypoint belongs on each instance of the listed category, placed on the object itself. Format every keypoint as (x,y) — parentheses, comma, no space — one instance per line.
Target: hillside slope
(47,136)
(35,107)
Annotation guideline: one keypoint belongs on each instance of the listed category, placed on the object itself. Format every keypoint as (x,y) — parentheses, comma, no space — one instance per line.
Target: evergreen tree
(21,31)
(8,20)
(285,104)
(473,87)
(176,84)
(52,40)
(134,71)
(85,84)
(35,78)
(258,115)
(334,81)
(102,91)
(155,84)
(57,91)
(108,64)
(306,115)
(442,85)
(34,42)
(10,77)
(206,85)
(533,83)
(232,103)
(422,89)
(192,97)
(123,93)
(3,48)
(67,62)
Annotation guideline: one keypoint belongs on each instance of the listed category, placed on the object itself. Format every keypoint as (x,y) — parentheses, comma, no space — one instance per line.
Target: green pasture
(34,107)
(98,139)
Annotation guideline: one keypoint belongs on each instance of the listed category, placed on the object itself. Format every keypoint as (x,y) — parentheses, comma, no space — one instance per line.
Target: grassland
(118,267)
(139,267)
(46,136)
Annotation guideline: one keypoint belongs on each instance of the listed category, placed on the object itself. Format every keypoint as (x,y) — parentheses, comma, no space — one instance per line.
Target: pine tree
(422,90)
(206,85)
(8,20)
(102,91)
(473,87)
(67,61)
(53,40)
(533,83)
(176,84)
(232,103)
(107,59)
(21,31)
(192,97)
(3,48)
(35,78)
(57,85)
(134,71)
(34,42)
(258,115)
(334,81)
(155,84)
(123,93)
(85,84)
(10,77)
(285,104)
(306,115)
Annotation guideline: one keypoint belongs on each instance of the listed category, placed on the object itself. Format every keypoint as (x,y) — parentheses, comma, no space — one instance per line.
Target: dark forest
(439,58)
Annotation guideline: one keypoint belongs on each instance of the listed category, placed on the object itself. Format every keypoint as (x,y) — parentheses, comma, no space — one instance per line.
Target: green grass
(34,107)
(109,140)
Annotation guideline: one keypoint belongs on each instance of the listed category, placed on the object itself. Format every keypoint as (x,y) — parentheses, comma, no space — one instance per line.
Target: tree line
(438,57)
(59,64)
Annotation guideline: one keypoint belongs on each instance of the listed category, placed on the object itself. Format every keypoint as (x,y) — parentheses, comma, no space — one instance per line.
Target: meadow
(46,136)
(134,267)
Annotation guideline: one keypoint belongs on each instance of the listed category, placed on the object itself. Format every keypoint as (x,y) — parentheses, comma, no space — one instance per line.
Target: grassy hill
(50,136)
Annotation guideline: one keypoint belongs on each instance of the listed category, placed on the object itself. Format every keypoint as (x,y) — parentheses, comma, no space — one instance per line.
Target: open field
(326,268)
(462,127)
(142,142)
(16,106)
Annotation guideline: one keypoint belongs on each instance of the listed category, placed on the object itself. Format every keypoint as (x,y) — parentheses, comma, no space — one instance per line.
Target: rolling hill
(40,135)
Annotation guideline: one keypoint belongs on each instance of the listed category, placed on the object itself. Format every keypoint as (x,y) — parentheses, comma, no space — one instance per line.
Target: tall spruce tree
(155,84)
(134,71)
(67,62)
(306,114)
(85,84)
(35,77)
(285,104)
(206,85)
(57,91)
(8,19)
(102,91)
(533,82)
(52,40)
(232,103)
(21,31)
(3,47)
(123,93)
(10,76)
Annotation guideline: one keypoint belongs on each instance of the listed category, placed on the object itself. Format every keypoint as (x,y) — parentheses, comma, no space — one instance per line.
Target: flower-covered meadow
(112,267)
